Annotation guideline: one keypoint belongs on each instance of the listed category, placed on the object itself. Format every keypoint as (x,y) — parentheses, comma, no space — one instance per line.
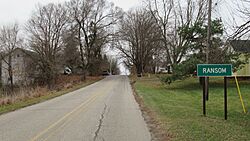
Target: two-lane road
(104,111)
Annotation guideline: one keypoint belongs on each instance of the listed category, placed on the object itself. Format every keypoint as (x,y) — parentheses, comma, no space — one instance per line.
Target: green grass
(50,95)
(179,107)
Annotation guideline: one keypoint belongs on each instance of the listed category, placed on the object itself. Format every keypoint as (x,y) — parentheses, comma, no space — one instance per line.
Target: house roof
(27,52)
(242,46)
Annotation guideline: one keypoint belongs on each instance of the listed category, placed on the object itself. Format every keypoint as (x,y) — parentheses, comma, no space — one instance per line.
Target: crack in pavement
(100,123)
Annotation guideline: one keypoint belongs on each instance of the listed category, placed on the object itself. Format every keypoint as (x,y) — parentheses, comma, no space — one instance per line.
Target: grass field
(179,107)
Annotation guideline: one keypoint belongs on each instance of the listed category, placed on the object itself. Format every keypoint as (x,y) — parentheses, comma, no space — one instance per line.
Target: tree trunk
(83,78)
(139,70)
(10,71)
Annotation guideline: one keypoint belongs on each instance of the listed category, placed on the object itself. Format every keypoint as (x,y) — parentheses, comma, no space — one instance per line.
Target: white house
(21,63)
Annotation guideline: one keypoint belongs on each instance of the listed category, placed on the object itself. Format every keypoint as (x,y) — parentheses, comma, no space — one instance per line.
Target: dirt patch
(158,133)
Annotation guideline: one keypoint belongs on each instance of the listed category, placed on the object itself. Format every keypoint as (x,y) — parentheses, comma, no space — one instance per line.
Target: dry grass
(64,84)
(23,94)
(67,81)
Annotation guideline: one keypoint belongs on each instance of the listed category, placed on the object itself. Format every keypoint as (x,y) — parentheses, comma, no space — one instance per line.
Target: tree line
(74,34)
(162,33)
(174,33)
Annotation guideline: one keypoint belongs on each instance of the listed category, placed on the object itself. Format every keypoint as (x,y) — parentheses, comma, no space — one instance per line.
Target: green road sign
(214,70)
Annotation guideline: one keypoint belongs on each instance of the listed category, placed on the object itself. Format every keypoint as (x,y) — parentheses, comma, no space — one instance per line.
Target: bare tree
(139,37)
(171,16)
(93,18)
(45,29)
(9,41)
(71,53)
(243,29)
(113,65)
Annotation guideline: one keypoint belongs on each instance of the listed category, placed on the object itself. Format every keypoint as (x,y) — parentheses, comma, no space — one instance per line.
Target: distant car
(67,71)
(195,73)
(105,73)
(139,74)
(163,70)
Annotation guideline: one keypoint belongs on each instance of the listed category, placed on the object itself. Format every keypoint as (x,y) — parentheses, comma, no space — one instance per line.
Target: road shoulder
(155,126)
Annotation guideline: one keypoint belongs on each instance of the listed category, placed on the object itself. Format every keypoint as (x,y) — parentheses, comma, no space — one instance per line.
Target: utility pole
(110,64)
(208,44)
(110,67)
(209,30)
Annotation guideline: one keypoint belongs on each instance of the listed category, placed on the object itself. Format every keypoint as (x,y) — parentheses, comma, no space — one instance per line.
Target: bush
(181,71)
(169,79)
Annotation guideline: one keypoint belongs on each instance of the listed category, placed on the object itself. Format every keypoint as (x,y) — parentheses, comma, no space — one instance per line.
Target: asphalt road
(104,111)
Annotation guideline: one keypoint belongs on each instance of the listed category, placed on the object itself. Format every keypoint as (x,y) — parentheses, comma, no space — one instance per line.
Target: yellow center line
(71,114)
(70,118)
(91,99)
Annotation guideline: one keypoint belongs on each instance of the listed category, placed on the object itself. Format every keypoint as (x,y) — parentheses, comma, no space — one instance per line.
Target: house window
(17,55)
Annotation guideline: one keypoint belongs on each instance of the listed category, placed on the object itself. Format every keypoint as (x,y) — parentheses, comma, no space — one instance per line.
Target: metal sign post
(206,70)
(225,97)
(204,96)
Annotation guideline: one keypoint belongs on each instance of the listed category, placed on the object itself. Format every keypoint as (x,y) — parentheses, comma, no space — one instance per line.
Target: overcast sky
(12,11)
(20,10)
